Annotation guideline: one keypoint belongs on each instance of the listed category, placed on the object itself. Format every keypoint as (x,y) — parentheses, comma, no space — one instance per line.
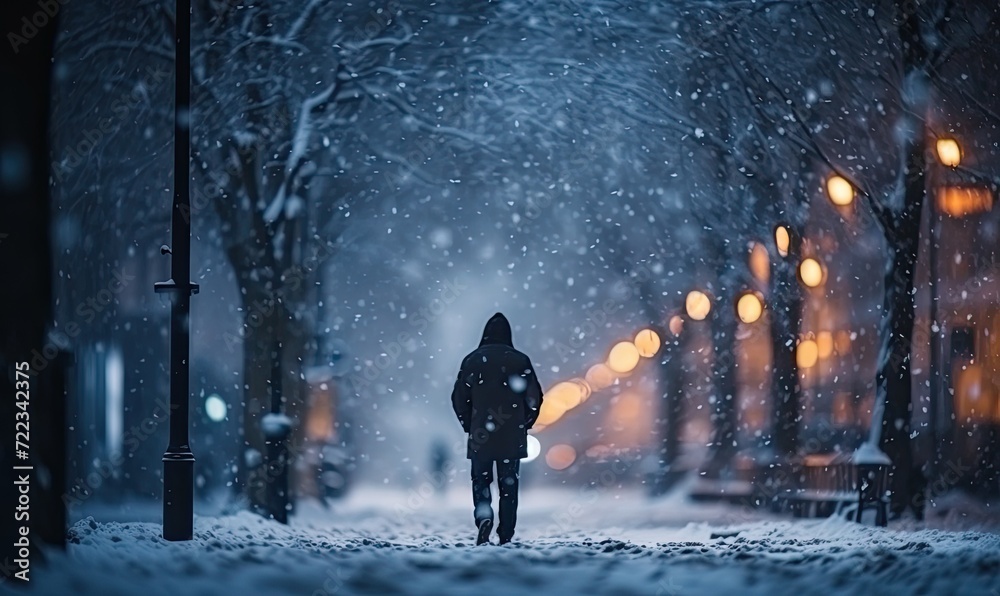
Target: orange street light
(623,357)
(749,307)
(676,325)
(810,272)
(647,342)
(839,190)
(824,344)
(806,354)
(600,376)
(949,152)
(560,457)
(783,240)
(698,305)
(760,262)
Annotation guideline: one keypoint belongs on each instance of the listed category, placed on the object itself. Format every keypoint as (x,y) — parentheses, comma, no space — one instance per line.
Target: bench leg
(838,508)
(881,514)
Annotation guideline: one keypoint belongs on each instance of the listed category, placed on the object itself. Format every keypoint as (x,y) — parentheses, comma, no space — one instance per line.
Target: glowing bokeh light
(782,240)
(749,307)
(842,342)
(676,325)
(600,376)
(623,357)
(811,272)
(647,342)
(215,408)
(549,413)
(697,305)
(583,387)
(534,449)
(560,457)
(839,190)
(824,344)
(949,152)
(760,262)
(806,354)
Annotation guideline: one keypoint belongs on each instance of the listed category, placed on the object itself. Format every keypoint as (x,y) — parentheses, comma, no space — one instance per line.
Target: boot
(485,526)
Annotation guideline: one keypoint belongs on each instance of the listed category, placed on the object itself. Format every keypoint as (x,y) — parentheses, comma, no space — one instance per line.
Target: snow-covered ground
(568,542)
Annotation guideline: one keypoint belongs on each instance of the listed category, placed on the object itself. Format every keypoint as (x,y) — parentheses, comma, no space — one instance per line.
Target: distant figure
(497,398)
(440,465)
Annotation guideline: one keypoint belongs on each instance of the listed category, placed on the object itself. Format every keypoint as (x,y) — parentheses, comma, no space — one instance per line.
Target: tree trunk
(296,342)
(671,384)
(785,317)
(894,383)
(259,339)
(891,430)
(671,389)
(268,324)
(724,409)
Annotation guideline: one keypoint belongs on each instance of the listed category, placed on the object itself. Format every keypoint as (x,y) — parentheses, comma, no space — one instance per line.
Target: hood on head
(497,331)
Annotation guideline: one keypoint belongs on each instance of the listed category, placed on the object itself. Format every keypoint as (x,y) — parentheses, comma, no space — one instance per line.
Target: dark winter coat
(497,395)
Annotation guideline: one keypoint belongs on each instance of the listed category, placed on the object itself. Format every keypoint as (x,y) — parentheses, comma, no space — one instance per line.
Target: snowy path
(568,543)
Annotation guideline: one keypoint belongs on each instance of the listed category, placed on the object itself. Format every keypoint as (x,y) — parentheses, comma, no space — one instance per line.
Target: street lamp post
(949,153)
(178,461)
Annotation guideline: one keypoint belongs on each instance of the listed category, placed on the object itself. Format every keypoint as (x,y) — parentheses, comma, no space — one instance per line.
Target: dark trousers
(507,475)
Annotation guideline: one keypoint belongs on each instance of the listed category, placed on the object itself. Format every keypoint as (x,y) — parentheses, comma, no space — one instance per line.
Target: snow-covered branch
(376,42)
(132,46)
(301,137)
(300,22)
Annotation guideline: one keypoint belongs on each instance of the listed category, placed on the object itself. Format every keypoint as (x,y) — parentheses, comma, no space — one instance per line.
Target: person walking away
(497,398)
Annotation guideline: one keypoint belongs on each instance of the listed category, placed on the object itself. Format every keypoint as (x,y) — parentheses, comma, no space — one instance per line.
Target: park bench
(826,486)
(841,484)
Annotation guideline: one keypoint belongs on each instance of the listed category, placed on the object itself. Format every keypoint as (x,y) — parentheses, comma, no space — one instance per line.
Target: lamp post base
(277,487)
(178,495)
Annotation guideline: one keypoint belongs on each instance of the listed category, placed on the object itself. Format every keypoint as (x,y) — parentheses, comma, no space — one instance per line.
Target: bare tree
(281,88)
(290,99)
(898,58)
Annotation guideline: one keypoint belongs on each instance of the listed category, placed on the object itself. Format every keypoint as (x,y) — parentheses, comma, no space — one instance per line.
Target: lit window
(960,201)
